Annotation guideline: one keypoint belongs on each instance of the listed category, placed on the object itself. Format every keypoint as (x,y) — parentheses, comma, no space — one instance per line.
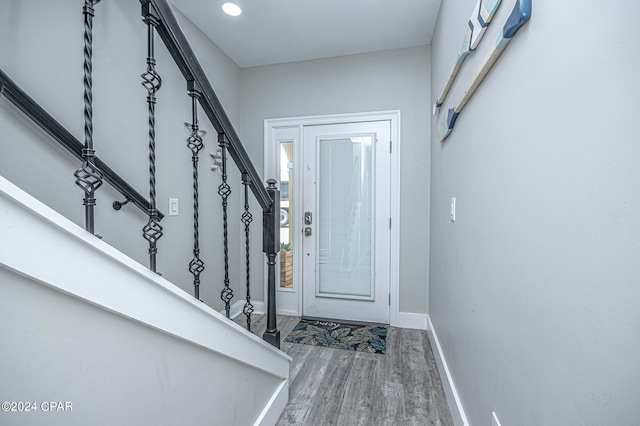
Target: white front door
(346,211)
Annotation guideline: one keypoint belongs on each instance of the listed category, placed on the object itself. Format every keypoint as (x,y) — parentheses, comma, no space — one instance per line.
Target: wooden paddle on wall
(480,19)
(519,16)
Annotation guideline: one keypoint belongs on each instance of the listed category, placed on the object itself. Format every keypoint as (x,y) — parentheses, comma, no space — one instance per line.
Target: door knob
(308,218)
(307,231)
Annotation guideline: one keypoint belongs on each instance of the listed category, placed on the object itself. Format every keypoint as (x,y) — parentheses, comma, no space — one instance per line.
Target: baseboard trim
(288,313)
(414,321)
(453,399)
(259,308)
(236,308)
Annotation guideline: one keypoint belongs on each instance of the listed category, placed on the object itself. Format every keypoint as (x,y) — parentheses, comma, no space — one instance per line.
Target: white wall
(389,80)
(41,48)
(534,288)
(113,370)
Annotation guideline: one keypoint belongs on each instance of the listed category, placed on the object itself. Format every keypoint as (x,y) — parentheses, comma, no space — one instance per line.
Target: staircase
(86,324)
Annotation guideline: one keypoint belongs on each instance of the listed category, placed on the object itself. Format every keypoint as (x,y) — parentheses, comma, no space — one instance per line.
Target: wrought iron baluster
(224,190)
(88,177)
(247,218)
(151,81)
(195,144)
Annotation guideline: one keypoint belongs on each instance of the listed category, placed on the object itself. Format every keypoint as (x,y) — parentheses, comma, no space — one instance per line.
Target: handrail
(179,48)
(42,118)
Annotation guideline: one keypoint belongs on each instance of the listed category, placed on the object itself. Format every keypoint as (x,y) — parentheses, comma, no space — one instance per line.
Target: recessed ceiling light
(231,9)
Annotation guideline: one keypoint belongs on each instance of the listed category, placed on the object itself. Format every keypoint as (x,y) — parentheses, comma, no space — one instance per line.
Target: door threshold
(341,321)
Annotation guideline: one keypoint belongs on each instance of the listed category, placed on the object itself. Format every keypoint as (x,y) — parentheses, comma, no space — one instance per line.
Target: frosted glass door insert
(345,212)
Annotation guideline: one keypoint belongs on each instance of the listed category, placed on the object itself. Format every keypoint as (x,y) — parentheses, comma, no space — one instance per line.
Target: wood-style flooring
(339,387)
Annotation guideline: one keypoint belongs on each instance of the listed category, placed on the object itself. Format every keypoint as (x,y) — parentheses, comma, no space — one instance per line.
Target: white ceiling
(277,31)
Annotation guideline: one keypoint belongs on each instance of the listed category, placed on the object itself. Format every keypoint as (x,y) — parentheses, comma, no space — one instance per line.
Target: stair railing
(29,107)
(159,18)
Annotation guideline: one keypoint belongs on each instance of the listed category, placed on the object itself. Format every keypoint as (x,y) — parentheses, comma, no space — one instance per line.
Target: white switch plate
(453,209)
(173,207)
(494,419)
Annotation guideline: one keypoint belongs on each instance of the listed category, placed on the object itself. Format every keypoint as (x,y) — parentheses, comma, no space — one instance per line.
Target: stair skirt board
(47,251)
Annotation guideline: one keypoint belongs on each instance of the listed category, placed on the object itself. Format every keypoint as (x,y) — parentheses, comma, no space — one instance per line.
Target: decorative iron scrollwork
(151,81)
(88,177)
(246,219)
(224,190)
(195,144)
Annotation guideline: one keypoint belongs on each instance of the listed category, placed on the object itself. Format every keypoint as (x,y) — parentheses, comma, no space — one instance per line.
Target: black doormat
(340,335)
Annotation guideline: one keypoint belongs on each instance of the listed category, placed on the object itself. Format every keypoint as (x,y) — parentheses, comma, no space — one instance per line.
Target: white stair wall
(84,324)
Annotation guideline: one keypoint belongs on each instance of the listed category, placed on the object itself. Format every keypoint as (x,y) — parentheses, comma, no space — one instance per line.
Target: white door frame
(294,126)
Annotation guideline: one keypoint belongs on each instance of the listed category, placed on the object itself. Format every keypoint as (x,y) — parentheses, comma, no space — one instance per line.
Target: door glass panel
(286,213)
(345,217)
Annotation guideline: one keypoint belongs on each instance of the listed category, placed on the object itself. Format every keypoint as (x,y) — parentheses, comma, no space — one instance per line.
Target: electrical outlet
(494,419)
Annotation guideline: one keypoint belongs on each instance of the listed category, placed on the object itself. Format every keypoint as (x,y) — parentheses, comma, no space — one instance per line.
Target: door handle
(307,231)
(308,218)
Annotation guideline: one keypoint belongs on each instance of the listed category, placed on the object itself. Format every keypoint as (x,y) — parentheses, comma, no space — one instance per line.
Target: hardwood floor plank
(420,384)
(436,391)
(415,378)
(390,392)
(299,353)
(316,394)
(332,391)
(259,324)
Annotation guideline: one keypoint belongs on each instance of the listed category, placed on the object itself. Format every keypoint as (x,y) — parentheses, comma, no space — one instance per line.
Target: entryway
(338,177)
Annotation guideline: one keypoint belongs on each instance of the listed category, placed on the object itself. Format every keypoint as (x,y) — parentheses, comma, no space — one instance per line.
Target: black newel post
(151,81)
(195,144)
(88,177)
(271,247)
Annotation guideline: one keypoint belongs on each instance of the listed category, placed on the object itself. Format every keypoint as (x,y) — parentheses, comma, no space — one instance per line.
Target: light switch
(173,207)
(453,209)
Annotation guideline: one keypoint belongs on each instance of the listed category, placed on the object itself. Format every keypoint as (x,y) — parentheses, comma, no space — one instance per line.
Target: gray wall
(534,289)
(389,80)
(41,44)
